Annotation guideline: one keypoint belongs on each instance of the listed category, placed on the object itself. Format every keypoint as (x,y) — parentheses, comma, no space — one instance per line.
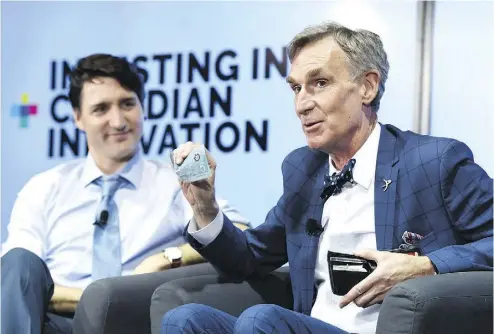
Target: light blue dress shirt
(54,213)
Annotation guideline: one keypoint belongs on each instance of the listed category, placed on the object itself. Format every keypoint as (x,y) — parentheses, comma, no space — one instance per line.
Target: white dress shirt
(348,221)
(54,213)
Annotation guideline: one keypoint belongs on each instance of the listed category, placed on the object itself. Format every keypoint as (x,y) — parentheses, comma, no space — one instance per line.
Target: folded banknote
(195,167)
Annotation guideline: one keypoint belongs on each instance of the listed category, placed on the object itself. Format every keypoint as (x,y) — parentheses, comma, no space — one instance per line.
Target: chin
(322,141)
(124,154)
(314,143)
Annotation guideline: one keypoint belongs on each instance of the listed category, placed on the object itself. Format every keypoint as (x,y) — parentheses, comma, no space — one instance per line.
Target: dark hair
(104,65)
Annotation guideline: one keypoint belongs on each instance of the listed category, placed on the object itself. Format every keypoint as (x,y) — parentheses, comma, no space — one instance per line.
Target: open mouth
(311,126)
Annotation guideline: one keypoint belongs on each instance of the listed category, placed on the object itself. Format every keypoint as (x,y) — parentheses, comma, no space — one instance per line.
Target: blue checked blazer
(437,191)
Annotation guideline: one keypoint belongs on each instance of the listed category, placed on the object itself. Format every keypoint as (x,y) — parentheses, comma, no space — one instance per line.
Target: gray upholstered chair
(450,303)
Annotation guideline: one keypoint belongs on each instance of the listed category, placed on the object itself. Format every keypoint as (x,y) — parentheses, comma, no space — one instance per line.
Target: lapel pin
(386,184)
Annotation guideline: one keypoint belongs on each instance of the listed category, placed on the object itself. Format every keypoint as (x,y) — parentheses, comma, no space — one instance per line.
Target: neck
(342,155)
(110,166)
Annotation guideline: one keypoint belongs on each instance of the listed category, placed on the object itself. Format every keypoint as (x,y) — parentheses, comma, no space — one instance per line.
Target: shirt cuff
(207,234)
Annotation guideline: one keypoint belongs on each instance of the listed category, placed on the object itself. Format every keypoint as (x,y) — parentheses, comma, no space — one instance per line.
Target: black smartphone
(346,270)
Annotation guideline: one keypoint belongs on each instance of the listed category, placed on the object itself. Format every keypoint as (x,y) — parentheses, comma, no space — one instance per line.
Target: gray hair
(363,48)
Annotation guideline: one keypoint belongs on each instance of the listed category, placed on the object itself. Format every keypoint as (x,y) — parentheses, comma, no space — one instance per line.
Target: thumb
(368,254)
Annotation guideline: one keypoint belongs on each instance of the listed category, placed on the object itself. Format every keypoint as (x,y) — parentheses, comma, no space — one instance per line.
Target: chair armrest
(120,305)
(447,303)
(215,291)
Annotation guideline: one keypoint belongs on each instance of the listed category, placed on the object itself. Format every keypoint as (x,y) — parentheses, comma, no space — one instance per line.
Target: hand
(200,194)
(153,264)
(392,268)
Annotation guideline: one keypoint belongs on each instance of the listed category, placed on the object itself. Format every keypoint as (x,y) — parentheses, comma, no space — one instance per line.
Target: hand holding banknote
(195,168)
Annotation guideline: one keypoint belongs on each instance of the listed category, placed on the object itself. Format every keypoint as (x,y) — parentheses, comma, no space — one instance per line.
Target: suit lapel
(387,170)
(318,168)
(317,203)
(316,171)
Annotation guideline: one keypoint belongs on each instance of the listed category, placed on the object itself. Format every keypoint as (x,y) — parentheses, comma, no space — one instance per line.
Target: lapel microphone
(334,184)
(103,218)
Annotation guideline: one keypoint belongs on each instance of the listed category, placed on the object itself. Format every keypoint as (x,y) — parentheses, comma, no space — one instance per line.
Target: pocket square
(411,238)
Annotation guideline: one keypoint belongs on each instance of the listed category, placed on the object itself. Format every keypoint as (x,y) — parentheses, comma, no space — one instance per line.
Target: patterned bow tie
(334,184)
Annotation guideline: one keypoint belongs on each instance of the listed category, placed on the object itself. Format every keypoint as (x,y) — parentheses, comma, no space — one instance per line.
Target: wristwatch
(174,255)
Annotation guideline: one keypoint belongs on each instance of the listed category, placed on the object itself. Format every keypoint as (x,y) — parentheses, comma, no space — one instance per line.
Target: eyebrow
(313,73)
(128,99)
(99,104)
(310,75)
(122,100)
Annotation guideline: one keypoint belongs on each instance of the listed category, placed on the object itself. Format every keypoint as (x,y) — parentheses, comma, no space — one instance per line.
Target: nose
(304,102)
(117,119)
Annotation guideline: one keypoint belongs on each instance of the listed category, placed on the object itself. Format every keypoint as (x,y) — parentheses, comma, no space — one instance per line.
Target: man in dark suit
(388,190)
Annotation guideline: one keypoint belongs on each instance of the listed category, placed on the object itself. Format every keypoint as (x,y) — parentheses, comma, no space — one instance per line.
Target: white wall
(463,76)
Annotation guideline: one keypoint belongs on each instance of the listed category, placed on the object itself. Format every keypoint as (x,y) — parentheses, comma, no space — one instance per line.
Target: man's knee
(258,318)
(22,266)
(19,255)
(185,318)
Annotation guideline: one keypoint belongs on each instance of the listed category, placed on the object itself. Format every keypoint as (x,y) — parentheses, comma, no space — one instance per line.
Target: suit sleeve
(253,252)
(467,193)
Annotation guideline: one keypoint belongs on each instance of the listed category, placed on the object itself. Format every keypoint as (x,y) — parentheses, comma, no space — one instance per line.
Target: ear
(77,118)
(371,86)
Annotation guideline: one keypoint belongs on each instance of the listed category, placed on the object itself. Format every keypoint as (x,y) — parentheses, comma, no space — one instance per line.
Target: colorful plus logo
(24,110)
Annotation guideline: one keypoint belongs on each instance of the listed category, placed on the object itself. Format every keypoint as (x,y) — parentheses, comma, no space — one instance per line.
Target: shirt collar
(365,159)
(132,171)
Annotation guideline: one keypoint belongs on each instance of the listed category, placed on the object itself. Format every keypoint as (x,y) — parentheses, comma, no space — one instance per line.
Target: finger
(354,293)
(182,152)
(364,299)
(369,254)
(186,149)
(176,153)
(379,298)
(359,289)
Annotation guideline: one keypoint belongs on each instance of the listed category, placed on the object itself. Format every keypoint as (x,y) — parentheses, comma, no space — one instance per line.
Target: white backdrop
(39,36)
(463,59)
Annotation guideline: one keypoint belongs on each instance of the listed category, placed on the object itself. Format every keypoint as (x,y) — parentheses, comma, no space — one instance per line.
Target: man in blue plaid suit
(399,189)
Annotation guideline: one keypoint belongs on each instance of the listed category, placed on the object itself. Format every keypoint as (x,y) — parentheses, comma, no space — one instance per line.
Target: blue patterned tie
(107,261)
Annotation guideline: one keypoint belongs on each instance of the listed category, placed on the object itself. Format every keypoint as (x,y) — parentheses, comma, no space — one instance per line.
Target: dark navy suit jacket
(437,191)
